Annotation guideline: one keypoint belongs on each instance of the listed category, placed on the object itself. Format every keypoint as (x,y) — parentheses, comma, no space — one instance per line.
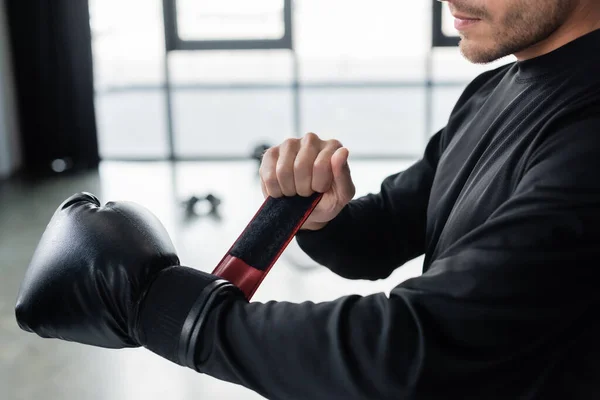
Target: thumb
(342,179)
(339,162)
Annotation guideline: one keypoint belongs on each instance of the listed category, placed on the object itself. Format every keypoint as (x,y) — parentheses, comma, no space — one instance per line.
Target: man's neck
(583,20)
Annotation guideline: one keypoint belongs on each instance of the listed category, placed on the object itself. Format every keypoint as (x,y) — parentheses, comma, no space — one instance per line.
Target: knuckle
(310,138)
(269,178)
(302,166)
(290,143)
(322,165)
(283,172)
(270,153)
(335,143)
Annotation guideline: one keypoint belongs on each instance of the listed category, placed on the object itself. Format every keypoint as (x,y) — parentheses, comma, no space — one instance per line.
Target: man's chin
(477,53)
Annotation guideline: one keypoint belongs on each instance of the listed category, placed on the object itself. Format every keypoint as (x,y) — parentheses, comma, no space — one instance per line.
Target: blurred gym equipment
(258,152)
(206,206)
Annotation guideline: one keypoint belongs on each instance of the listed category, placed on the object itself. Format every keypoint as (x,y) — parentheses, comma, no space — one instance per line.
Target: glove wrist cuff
(174,310)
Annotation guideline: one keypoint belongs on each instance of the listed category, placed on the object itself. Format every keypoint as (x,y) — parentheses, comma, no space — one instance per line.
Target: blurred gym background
(170,103)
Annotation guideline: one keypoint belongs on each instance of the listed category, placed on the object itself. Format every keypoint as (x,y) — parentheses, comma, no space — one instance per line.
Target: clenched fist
(307,165)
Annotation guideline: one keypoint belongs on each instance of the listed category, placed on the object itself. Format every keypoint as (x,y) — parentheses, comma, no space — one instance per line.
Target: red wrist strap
(266,236)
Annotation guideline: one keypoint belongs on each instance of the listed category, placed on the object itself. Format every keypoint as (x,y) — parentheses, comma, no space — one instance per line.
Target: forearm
(356,238)
(376,233)
(411,345)
(337,350)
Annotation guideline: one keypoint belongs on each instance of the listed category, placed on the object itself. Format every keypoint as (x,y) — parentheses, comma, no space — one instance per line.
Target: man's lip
(464,17)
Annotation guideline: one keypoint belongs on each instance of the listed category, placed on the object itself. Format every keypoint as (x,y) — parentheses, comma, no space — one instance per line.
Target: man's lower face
(478,43)
(508,26)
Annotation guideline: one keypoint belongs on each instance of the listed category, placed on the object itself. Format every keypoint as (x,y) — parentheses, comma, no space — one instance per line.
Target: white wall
(10,156)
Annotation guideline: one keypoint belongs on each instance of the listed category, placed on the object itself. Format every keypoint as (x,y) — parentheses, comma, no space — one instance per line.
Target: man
(505,205)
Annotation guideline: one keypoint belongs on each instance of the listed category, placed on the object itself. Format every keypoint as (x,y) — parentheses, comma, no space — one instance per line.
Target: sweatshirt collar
(571,56)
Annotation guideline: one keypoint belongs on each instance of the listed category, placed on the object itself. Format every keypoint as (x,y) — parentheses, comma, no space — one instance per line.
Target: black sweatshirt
(505,205)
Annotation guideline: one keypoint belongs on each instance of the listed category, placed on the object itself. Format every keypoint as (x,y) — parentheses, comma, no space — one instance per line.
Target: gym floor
(35,368)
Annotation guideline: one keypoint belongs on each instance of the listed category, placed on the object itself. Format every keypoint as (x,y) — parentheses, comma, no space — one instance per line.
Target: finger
(322,178)
(268,173)
(263,188)
(285,166)
(303,166)
(342,178)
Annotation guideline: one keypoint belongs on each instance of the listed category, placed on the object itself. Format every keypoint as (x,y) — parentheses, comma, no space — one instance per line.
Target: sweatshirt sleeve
(388,226)
(490,319)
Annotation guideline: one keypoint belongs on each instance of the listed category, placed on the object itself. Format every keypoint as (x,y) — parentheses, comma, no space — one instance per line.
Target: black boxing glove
(110,277)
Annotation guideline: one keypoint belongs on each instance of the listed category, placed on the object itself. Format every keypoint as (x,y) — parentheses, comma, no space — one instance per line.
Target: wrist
(313,226)
(174,309)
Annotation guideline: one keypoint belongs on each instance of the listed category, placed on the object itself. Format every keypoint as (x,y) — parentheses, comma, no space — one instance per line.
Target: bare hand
(308,165)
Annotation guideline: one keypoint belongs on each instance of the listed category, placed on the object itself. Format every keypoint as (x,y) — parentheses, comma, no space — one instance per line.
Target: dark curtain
(52,55)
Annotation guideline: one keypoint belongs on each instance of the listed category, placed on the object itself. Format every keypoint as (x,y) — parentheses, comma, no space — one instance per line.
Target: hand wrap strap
(263,240)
